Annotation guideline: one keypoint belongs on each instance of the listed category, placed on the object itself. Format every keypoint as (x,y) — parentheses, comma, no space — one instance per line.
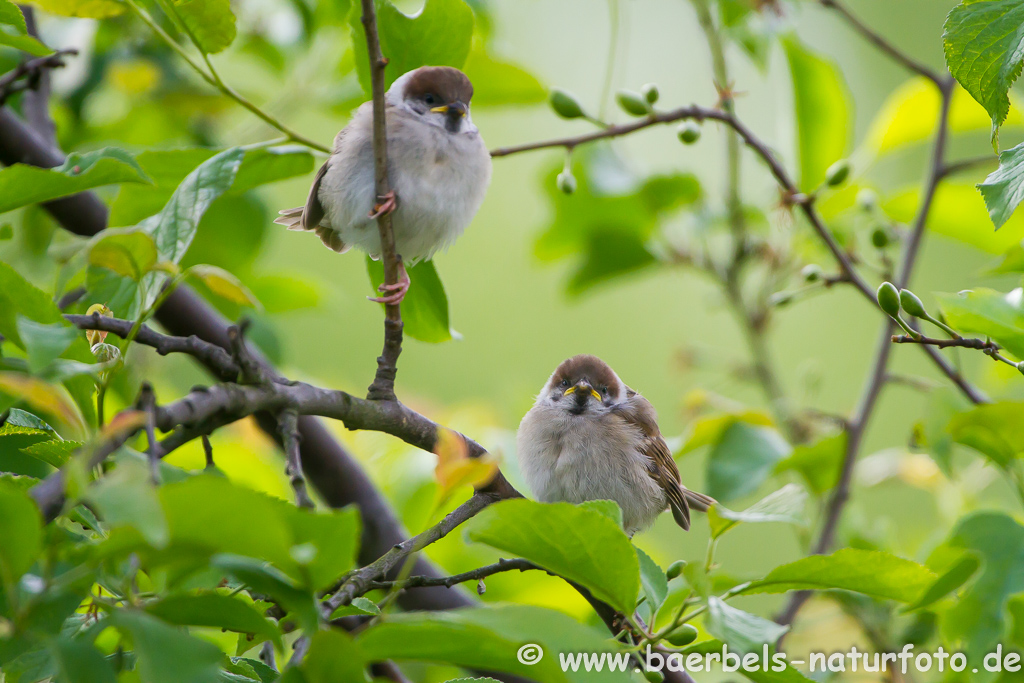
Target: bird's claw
(397,290)
(386,203)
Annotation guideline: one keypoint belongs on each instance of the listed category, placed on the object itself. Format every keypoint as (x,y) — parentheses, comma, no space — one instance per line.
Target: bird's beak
(584,388)
(454,108)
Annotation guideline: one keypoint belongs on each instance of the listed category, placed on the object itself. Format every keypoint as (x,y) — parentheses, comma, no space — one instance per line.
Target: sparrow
(591,437)
(438,169)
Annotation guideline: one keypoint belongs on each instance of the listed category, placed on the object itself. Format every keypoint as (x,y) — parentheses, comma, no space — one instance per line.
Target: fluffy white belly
(576,459)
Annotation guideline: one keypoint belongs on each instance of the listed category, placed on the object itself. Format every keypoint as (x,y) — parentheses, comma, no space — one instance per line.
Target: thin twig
(31,71)
(288,422)
(147,403)
(502,565)
(881,43)
(207,451)
(383,386)
(955,167)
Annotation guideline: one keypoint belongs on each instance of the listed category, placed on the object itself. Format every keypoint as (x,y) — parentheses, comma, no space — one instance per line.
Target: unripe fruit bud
(867,199)
(811,272)
(105,352)
(684,635)
(675,569)
(780,299)
(97,336)
(654,676)
(888,299)
(837,173)
(911,304)
(1020,366)
(650,93)
(688,132)
(566,182)
(565,104)
(880,237)
(632,103)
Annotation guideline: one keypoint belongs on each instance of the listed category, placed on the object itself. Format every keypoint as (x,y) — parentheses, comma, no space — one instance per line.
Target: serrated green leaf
(822,105)
(55,453)
(577,543)
(987,313)
(1003,189)
(654,584)
(785,505)
(128,497)
(78,661)
(10,14)
(166,654)
(333,657)
(90,9)
(425,307)
(25,43)
(44,343)
(956,576)
(411,41)
(128,252)
(995,430)
(209,23)
(21,533)
(819,463)
(983,42)
(874,573)
(742,459)
(22,184)
(264,578)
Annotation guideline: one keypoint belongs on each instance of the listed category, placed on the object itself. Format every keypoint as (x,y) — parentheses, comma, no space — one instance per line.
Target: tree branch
(383,386)
(288,421)
(35,104)
(989,347)
(882,44)
(28,75)
(502,565)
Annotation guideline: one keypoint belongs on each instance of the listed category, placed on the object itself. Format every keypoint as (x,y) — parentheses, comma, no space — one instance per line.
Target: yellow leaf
(42,396)
(125,422)
(224,284)
(456,468)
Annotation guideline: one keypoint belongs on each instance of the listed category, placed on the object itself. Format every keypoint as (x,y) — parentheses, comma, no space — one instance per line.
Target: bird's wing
(639,412)
(313,212)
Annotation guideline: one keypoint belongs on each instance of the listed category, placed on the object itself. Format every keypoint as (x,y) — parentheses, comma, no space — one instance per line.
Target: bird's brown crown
(446,83)
(590,368)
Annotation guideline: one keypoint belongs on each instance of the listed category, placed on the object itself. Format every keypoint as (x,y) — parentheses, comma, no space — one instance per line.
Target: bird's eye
(604,390)
(429,99)
(564,383)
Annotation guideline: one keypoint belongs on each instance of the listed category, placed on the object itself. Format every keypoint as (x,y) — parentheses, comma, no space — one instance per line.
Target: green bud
(811,272)
(675,569)
(684,635)
(1020,366)
(688,132)
(837,173)
(566,182)
(650,93)
(105,352)
(632,104)
(880,237)
(654,676)
(565,104)
(911,304)
(780,299)
(867,199)
(889,299)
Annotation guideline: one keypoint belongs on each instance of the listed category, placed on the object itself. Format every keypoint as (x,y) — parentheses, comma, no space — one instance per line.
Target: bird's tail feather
(698,501)
(291,218)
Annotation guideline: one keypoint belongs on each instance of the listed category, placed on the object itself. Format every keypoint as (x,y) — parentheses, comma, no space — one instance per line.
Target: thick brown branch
(882,44)
(383,386)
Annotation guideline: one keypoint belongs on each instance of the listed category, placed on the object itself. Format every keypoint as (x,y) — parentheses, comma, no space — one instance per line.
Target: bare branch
(35,104)
(882,44)
(383,386)
(502,565)
(27,75)
(288,422)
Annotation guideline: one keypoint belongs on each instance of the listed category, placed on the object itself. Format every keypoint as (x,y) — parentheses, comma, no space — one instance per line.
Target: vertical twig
(147,404)
(36,102)
(207,451)
(288,423)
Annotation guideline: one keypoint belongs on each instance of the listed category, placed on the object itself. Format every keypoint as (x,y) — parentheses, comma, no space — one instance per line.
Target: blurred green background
(666,331)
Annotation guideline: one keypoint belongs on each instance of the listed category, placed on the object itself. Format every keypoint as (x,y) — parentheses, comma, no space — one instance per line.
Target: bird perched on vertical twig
(438,168)
(590,437)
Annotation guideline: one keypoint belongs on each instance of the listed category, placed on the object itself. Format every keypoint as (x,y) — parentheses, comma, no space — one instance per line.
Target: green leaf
(743,631)
(953,578)
(995,430)
(333,658)
(984,46)
(489,638)
(366,605)
(334,535)
(127,497)
(819,463)
(1003,189)
(979,616)
(285,292)
(871,572)
(264,578)
(579,544)
(91,9)
(785,505)
(10,14)
(44,343)
(128,252)
(22,185)
(79,662)
(988,313)
(822,105)
(425,307)
(500,83)
(215,610)
(742,459)
(609,254)
(654,584)
(410,42)
(13,31)
(209,23)
(21,533)
(55,453)
(1011,262)
(166,654)
(224,284)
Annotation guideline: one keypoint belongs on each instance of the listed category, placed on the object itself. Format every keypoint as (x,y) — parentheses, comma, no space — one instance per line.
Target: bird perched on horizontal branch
(438,169)
(591,437)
